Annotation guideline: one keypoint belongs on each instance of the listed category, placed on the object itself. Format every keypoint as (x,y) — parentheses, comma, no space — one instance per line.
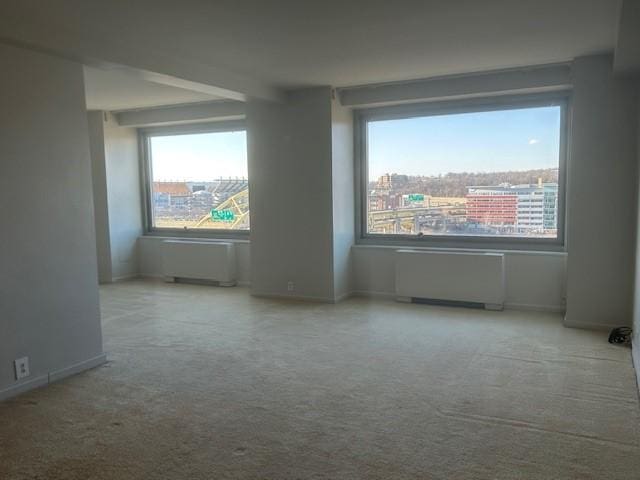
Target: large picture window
(197,178)
(491,172)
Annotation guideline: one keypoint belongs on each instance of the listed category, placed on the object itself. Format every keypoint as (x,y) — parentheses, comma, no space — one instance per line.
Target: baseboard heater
(451,278)
(199,261)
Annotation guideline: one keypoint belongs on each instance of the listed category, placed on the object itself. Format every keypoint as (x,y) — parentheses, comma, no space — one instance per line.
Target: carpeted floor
(210,383)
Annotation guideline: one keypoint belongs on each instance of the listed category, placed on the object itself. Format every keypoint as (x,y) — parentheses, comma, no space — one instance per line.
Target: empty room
(340,240)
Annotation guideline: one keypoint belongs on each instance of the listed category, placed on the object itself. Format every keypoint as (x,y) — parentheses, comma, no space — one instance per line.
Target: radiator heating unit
(199,260)
(457,278)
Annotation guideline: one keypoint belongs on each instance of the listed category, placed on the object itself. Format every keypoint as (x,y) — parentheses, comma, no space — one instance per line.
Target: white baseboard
(23,387)
(303,298)
(635,356)
(77,368)
(343,297)
(123,278)
(535,307)
(150,275)
(51,377)
(366,293)
(510,306)
(589,326)
(392,296)
(240,283)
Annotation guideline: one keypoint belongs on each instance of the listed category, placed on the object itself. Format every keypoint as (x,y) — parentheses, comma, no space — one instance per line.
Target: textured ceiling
(294,43)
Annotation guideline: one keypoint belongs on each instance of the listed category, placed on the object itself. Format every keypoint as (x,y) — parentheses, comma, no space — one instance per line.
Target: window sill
(477,248)
(204,236)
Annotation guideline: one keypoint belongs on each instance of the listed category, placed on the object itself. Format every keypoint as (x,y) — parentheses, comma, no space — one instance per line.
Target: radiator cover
(451,276)
(199,260)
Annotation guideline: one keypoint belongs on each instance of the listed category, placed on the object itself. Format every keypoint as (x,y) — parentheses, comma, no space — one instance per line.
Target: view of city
(218,204)
(486,173)
(213,192)
(496,204)
(483,173)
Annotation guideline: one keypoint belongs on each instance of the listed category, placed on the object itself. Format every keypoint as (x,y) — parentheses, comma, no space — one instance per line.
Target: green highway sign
(416,197)
(225,215)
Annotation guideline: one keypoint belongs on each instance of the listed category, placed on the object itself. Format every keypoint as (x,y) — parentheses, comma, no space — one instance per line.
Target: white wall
(636,303)
(342,172)
(100,197)
(289,154)
(601,197)
(627,53)
(535,280)
(48,276)
(301,189)
(124,196)
(117,196)
(150,256)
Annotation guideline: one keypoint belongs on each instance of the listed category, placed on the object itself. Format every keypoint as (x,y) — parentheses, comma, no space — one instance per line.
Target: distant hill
(455,184)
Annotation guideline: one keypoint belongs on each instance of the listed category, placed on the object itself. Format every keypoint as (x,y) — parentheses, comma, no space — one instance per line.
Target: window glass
(487,173)
(199,181)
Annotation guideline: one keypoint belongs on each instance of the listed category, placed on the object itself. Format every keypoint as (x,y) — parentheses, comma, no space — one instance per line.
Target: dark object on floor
(620,335)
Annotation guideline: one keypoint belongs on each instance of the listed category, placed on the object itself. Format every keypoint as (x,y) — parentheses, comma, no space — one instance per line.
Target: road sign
(416,197)
(224,215)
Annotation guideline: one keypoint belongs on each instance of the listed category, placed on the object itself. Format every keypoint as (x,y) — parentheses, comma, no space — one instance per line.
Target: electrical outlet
(22,367)
(290,286)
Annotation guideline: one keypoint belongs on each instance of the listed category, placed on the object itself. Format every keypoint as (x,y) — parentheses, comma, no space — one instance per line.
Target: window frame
(363,116)
(146,169)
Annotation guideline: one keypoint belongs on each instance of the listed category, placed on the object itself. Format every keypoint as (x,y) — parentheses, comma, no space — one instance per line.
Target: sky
(521,139)
(505,140)
(199,157)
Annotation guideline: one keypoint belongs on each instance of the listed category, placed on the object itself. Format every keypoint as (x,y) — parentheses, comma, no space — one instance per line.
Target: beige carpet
(207,383)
